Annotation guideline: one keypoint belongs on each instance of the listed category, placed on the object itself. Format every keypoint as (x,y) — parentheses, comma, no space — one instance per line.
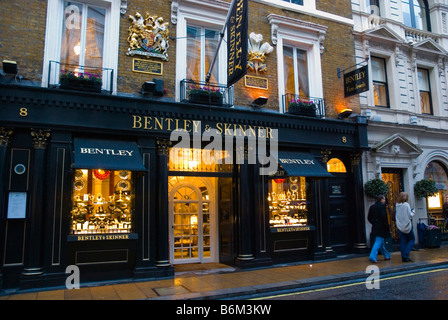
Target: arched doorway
(192,219)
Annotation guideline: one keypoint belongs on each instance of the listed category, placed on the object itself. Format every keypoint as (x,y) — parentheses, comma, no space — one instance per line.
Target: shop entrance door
(338,219)
(393,177)
(192,220)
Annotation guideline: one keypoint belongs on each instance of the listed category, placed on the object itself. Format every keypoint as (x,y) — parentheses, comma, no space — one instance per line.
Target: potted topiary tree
(375,187)
(425,188)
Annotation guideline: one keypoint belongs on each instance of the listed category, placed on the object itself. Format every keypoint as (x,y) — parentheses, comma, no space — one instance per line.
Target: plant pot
(300,109)
(80,85)
(212,99)
(433,238)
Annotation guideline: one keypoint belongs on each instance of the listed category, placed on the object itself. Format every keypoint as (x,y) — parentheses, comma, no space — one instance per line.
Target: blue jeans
(407,241)
(378,246)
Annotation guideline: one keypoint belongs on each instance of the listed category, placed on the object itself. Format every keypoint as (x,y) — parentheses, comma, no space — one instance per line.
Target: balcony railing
(80,78)
(319,104)
(206,93)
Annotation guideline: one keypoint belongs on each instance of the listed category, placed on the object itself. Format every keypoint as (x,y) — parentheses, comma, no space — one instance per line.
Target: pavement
(217,281)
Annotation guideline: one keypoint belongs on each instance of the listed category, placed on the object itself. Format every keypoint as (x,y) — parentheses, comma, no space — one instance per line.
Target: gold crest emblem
(148,36)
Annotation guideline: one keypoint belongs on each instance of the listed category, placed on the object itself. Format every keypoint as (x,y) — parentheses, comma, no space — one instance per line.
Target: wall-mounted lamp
(148,87)
(260,101)
(155,87)
(344,114)
(9,67)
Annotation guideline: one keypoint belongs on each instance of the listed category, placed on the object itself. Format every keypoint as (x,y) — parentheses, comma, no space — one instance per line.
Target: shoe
(406,260)
(386,258)
(372,261)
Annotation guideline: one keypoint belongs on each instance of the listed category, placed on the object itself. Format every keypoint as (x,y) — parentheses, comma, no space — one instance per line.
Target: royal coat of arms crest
(148,36)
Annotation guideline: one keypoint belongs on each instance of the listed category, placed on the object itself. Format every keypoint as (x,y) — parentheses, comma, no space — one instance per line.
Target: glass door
(190,217)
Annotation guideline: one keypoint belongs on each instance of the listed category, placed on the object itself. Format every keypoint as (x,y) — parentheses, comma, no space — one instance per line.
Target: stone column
(162,253)
(245,253)
(360,243)
(5,140)
(33,262)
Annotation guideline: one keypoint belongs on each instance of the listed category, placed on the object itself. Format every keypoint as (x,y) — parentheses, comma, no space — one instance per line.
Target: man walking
(380,228)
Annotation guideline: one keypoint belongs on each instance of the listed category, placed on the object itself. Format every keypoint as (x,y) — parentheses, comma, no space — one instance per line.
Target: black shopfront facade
(93,180)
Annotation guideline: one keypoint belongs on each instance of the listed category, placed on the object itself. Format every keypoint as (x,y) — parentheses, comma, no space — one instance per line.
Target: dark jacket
(378,218)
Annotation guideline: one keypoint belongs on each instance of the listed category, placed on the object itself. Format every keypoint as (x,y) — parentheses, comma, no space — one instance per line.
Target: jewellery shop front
(94,181)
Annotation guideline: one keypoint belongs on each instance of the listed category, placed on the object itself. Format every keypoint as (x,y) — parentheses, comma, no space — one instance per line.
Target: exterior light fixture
(344,114)
(155,87)
(259,101)
(9,67)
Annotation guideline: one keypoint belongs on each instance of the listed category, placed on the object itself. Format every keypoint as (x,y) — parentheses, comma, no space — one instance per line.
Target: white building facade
(405,45)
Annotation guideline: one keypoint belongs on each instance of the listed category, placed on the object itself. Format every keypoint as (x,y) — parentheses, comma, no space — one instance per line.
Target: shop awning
(107,155)
(302,164)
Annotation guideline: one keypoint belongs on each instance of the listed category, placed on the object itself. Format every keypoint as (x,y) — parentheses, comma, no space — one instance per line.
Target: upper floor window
(82,35)
(416,14)
(425,91)
(296,72)
(379,77)
(201,47)
(299,47)
(373,7)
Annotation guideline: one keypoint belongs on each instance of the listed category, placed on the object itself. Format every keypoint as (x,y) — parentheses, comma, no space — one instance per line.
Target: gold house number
(23,112)
(344,139)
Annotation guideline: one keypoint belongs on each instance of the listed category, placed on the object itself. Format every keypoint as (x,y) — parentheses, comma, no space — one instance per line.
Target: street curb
(242,292)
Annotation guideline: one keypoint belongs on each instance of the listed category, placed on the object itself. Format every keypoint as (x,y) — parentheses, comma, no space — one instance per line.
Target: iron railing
(318,102)
(57,71)
(206,93)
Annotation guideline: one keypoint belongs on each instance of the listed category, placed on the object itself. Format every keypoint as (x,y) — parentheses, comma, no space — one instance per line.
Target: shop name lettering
(356,77)
(298,161)
(356,81)
(103,237)
(195,126)
(293,229)
(111,152)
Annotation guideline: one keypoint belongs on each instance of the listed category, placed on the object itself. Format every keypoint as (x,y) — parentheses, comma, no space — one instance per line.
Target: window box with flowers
(303,108)
(205,95)
(86,81)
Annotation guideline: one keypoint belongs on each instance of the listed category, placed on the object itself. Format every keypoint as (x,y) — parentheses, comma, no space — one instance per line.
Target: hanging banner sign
(356,81)
(237,41)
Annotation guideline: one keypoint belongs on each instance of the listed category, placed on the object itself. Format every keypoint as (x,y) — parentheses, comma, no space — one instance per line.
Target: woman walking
(403,219)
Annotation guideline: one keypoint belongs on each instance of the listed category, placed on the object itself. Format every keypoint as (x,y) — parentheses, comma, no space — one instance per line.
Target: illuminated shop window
(199,160)
(102,202)
(437,172)
(288,202)
(336,165)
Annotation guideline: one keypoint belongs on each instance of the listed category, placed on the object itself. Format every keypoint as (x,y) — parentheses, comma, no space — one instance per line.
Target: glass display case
(287,202)
(102,202)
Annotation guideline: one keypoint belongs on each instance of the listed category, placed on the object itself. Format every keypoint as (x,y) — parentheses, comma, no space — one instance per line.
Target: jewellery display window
(103,202)
(287,202)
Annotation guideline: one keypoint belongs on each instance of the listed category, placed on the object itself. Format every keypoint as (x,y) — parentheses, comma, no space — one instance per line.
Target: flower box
(206,99)
(303,108)
(205,95)
(81,82)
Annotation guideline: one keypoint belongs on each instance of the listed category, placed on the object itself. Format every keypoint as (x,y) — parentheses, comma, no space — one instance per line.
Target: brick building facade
(90,174)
